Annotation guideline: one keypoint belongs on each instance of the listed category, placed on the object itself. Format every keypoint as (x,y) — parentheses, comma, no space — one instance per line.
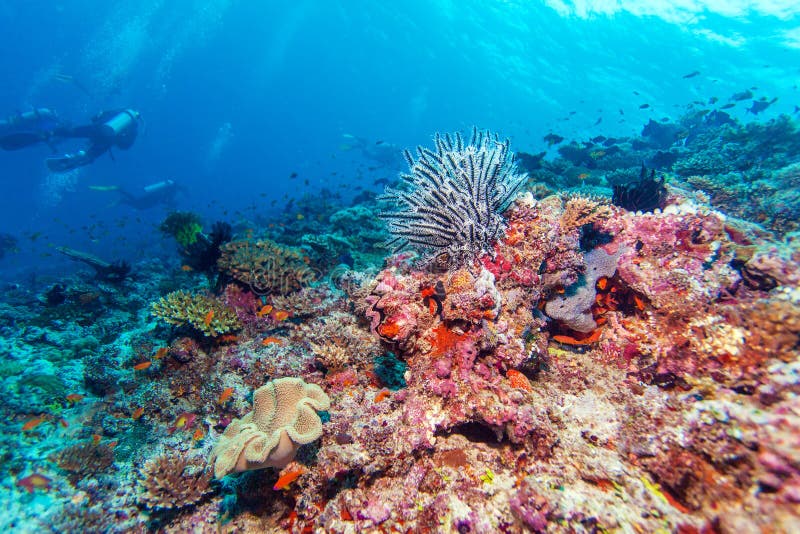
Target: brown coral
(172,481)
(206,314)
(265,266)
(580,210)
(84,459)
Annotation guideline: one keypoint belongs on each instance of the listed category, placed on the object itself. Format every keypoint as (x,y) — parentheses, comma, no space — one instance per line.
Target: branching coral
(580,210)
(284,417)
(204,313)
(454,197)
(266,266)
(173,481)
(85,459)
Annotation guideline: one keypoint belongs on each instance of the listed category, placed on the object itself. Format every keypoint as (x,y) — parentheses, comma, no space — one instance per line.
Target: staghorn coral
(455,197)
(206,314)
(266,267)
(283,418)
(580,210)
(172,481)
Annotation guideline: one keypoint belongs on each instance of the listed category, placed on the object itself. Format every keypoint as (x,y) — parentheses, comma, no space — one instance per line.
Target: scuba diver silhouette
(40,125)
(113,128)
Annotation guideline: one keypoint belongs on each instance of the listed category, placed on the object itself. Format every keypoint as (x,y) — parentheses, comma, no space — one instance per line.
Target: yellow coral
(266,266)
(284,417)
(580,210)
(204,313)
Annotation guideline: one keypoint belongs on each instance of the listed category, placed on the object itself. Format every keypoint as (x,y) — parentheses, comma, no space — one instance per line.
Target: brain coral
(284,417)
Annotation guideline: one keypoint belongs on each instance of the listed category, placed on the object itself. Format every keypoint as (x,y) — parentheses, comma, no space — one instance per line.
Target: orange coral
(444,340)
(518,380)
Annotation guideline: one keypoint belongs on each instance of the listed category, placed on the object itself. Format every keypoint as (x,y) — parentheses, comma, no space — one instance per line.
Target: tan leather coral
(284,417)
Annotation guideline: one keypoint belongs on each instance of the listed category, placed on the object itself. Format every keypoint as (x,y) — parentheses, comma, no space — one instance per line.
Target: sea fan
(450,203)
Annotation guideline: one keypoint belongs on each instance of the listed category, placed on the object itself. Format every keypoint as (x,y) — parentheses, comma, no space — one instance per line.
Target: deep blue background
(291,78)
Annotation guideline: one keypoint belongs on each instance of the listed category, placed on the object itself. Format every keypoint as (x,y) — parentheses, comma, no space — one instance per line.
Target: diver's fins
(63,163)
(16,141)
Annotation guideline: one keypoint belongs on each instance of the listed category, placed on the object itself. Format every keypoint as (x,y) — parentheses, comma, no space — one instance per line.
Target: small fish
(284,480)
(137,413)
(265,310)
(568,340)
(74,397)
(33,423)
(96,438)
(691,74)
(142,366)
(598,121)
(553,139)
(293,176)
(583,176)
(602,283)
(596,154)
(713,100)
(728,106)
(198,434)
(381,395)
(300,216)
(184,420)
(744,95)
(63,422)
(160,353)
(760,105)
(207,319)
(225,395)
(644,106)
(280,315)
(186,268)
(270,340)
(34,481)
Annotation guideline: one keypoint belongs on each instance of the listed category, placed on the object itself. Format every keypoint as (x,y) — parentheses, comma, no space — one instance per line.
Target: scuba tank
(152,188)
(121,120)
(121,128)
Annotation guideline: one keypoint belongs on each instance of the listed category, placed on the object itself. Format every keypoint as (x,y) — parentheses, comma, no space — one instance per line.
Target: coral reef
(203,313)
(585,368)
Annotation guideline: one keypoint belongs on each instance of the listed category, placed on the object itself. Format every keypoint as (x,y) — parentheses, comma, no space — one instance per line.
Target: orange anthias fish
(225,395)
(34,481)
(270,340)
(183,421)
(33,423)
(265,310)
(74,397)
(186,268)
(142,366)
(280,315)
(209,316)
(160,353)
(198,434)
(286,479)
(137,413)
(96,438)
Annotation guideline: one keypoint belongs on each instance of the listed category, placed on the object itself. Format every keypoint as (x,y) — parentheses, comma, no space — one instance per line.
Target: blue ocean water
(237,96)
(266,114)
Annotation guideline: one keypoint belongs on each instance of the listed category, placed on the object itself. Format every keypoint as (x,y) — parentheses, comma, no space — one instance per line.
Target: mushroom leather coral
(284,417)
